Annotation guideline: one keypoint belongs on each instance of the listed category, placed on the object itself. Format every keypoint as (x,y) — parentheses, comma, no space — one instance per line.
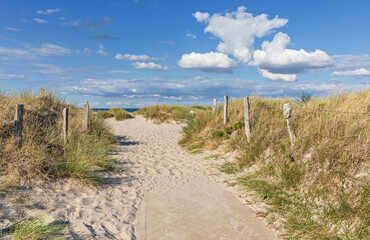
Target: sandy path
(162,193)
(181,201)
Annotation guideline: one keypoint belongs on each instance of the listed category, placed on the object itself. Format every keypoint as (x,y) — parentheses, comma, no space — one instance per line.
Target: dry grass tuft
(43,153)
(167,113)
(321,185)
(119,114)
(35,229)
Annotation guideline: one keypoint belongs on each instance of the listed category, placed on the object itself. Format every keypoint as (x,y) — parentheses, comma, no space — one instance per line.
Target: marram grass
(167,113)
(44,153)
(320,187)
(35,229)
(118,114)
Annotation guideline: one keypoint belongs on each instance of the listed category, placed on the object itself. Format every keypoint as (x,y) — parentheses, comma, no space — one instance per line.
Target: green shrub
(219,134)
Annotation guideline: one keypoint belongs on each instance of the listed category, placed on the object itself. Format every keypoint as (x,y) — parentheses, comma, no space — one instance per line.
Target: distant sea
(106,109)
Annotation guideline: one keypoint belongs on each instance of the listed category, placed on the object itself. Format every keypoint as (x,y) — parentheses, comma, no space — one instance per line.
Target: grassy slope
(44,154)
(167,113)
(119,114)
(319,187)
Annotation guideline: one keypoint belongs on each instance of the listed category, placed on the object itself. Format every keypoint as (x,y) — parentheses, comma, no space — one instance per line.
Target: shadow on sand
(124,175)
(123,141)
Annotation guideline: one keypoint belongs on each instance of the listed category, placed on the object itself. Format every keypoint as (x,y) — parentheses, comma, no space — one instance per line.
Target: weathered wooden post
(65,124)
(18,124)
(247,106)
(214,105)
(226,106)
(42,93)
(85,118)
(287,112)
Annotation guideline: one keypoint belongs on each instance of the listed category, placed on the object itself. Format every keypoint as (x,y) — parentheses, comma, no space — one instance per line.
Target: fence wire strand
(328,111)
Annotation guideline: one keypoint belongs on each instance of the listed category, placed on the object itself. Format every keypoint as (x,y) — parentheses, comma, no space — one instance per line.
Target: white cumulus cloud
(101,50)
(87,51)
(131,57)
(208,62)
(275,58)
(357,73)
(149,65)
(189,35)
(237,30)
(278,76)
(201,17)
(48,11)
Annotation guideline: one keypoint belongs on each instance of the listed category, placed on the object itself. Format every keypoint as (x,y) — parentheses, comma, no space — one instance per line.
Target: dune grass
(119,114)
(167,113)
(103,114)
(319,187)
(43,153)
(35,229)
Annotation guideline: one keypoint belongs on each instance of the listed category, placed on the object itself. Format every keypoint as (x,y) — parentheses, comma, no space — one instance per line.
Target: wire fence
(346,139)
(328,111)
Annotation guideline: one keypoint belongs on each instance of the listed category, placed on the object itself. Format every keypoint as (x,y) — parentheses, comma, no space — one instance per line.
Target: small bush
(227,131)
(238,125)
(305,98)
(219,134)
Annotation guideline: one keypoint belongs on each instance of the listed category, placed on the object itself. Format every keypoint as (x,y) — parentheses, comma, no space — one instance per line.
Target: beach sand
(162,193)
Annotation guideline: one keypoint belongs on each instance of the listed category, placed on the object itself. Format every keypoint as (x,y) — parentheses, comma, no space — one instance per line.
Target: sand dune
(162,193)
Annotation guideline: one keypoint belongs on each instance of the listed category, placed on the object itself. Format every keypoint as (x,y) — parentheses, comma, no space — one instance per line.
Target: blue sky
(133,53)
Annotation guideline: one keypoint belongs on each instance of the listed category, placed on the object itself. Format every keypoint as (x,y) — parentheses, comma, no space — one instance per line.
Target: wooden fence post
(247,106)
(18,124)
(214,105)
(65,124)
(287,112)
(85,118)
(226,106)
